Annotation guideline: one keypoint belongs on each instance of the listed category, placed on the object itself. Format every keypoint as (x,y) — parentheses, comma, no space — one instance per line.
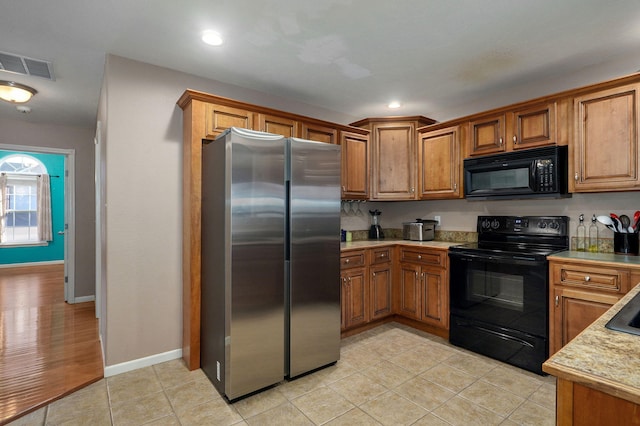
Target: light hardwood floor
(48,348)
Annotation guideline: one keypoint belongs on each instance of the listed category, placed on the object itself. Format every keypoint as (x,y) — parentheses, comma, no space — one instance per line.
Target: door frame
(69,210)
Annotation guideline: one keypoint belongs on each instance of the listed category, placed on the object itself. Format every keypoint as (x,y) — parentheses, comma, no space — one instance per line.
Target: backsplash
(396,234)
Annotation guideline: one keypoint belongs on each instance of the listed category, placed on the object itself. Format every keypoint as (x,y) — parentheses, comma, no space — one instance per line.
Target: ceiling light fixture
(394,105)
(15,93)
(212,38)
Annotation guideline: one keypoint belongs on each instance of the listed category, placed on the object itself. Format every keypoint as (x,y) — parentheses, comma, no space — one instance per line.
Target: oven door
(499,308)
(506,291)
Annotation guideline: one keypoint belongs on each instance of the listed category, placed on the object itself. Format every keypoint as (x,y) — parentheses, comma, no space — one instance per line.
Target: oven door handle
(516,260)
(505,336)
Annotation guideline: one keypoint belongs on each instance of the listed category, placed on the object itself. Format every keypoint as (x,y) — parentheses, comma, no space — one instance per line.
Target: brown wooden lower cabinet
(354,297)
(582,405)
(580,292)
(405,283)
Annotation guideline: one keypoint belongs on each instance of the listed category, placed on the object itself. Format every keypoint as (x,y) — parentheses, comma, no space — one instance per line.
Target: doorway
(67,231)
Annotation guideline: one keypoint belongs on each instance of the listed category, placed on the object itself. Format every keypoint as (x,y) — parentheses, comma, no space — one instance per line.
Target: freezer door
(248,250)
(314,255)
(256,296)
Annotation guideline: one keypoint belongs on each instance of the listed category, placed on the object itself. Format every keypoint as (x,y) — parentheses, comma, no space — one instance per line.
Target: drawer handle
(347,260)
(587,278)
(557,300)
(515,139)
(419,256)
(382,255)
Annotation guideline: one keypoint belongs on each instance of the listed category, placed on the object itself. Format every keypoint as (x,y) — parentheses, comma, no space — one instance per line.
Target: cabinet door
(355,166)
(407,295)
(573,311)
(278,125)
(606,140)
(380,291)
(219,118)
(356,298)
(393,162)
(318,133)
(534,126)
(440,164)
(486,135)
(435,308)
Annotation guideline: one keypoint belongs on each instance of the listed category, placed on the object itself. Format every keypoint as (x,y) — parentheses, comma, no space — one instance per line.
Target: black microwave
(531,173)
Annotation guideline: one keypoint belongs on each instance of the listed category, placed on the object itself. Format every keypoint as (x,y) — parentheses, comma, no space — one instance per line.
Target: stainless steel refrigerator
(270,259)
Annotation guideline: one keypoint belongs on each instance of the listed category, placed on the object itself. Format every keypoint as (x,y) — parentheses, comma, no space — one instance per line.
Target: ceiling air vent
(27,66)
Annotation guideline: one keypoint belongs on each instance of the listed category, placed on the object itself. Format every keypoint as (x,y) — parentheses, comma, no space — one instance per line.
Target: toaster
(420,230)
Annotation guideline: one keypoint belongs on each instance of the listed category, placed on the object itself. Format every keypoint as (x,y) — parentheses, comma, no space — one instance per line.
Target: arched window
(24,199)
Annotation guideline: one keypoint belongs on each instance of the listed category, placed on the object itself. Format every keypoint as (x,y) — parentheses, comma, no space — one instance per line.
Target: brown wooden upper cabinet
(284,126)
(319,133)
(355,166)
(440,164)
(394,156)
(605,145)
(219,118)
(526,127)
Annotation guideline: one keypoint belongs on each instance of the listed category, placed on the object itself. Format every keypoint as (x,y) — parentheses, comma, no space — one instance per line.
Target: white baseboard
(135,364)
(20,265)
(83,299)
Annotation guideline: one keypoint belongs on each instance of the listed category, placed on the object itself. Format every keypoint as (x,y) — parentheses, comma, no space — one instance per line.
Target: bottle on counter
(593,235)
(581,233)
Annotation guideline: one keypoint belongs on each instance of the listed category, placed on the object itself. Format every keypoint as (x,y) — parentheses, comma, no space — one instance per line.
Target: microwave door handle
(533,169)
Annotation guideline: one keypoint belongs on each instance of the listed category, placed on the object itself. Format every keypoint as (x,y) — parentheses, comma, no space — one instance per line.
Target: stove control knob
(554,225)
(542,225)
(495,224)
(486,223)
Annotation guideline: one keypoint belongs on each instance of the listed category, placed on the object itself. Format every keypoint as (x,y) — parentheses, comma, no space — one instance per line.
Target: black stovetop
(519,235)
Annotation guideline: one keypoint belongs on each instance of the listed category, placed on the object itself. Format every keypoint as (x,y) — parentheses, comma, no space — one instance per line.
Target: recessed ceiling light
(394,105)
(212,38)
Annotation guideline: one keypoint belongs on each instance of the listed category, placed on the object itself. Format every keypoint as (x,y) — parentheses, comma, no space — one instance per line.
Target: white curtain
(45,232)
(3,202)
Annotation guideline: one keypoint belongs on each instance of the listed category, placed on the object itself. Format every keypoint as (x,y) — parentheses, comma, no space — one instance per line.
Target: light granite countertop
(604,259)
(364,244)
(603,359)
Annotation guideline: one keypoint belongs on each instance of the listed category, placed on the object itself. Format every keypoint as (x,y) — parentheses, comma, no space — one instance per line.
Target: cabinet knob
(347,260)
(587,278)
(500,140)
(515,139)
(416,276)
(419,257)
(413,190)
(575,177)
(382,255)
(557,300)
(455,186)
(349,279)
(374,274)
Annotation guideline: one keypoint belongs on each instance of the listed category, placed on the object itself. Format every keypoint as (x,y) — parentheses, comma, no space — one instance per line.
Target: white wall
(143,215)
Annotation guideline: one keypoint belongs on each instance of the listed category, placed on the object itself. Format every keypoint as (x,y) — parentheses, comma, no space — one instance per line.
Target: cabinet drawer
(352,259)
(380,255)
(609,279)
(435,257)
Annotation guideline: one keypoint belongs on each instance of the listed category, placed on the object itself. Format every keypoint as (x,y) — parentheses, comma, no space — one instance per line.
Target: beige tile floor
(391,375)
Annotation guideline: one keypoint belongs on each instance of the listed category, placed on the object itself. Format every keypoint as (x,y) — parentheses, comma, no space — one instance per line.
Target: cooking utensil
(625,221)
(636,221)
(616,222)
(607,221)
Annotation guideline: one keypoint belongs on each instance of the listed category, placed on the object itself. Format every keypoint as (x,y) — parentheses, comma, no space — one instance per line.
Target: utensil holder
(625,243)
